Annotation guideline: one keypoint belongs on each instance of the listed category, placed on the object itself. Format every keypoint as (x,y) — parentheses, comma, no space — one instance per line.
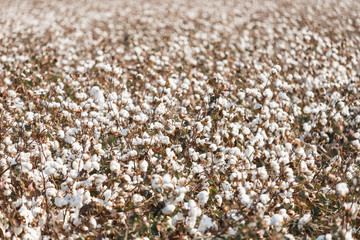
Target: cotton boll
(88,166)
(249,152)
(92,222)
(342,189)
(203,197)
(96,92)
(205,224)
(353,208)
(51,192)
(218,199)
(115,166)
(263,173)
(277,221)
(168,209)
(304,220)
(7,141)
(137,198)
(161,109)
(143,166)
(29,116)
(26,214)
(264,198)
(107,195)
(246,200)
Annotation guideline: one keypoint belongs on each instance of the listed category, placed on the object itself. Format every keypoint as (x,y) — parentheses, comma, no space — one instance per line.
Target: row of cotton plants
(179,119)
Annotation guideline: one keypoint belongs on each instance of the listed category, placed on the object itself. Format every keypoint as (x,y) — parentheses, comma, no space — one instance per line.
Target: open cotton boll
(203,197)
(51,192)
(143,166)
(218,199)
(161,109)
(264,198)
(92,222)
(342,189)
(304,220)
(277,221)
(168,209)
(246,200)
(137,198)
(26,214)
(29,116)
(206,223)
(115,166)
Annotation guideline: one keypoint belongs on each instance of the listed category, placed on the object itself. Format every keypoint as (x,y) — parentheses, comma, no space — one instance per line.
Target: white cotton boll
(218,199)
(124,132)
(203,197)
(92,222)
(143,166)
(96,165)
(88,166)
(49,170)
(157,181)
(273,71)
(213,147)
(304,220)
(353,208)
(205,224)
(107,195)
(7,141)
(278,68)
(26,214)
(268,93)
(277,220)
(12,149)
(61,134)
(96,92)
(26,167)
(137,198)
(12,93)
(164,140)
(161,109)
(249,152)
(246,131)
(76,147)
(115,166)
(60,201)
(29,116)
(246,200)
(166,182)
(342,189)
(199,127)
(168,209)
(263,173)
(264,198)
(123,113)
(51,192)
(257,106)
(307,127)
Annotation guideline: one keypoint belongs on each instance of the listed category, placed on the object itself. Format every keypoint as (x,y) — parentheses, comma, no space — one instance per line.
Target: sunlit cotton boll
(342,189)
(114,166)
(203,197)
(304,220)
(246,200)
(136,198)
(143,166)
(205,224)
(277,221)
(168,209)
(161,109)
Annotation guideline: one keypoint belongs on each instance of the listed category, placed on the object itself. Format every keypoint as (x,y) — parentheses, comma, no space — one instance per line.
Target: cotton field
(179,119)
